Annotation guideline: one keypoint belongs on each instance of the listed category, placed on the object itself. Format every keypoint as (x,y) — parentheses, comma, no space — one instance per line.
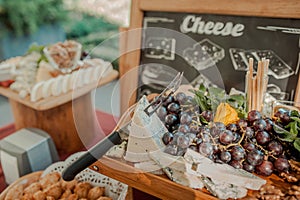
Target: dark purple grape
(171,119)
(265,168)
(269,126)
(255,157)
(162,113)
(208,115)
(249,146)
(206,149)
(180,97)
(282,115)
(185,118)
(191,136)
(237,153)
(248,167)
(262,137)
(275,148)
(282,164)
(259,125)
(183,141)
(173,108)
(237,137)
(167,138)
(175,136)
(253,115)
(232,127)
(206,137)
(226,137)
(236,164)
(242,124)
(217,128)
(204,130)
(249,132)
(171,149)
(168,100)
(194,128)
(174,127)
(184,128)
(225,156)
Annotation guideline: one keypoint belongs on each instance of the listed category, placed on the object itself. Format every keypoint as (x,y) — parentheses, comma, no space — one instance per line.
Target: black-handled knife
(117,136)
(91,156)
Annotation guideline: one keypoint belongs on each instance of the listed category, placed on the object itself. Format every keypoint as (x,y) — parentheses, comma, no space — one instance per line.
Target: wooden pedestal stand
(62,117)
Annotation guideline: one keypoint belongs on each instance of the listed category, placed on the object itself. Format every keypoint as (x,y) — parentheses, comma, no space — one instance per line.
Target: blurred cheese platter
(49,76)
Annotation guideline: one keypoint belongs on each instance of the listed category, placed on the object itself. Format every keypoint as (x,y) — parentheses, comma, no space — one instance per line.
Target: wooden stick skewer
(250,84)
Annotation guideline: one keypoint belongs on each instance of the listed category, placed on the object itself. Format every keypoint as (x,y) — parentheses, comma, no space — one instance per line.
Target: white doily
(113,188)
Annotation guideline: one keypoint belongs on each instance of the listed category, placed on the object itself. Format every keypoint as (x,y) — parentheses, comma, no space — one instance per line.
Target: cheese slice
(184,178)
(199,165)
(46,90)
(86,75)
(166,160)
(66,83)
(56,88)
(117,151)
(149,166)
(37,91)
(145,134)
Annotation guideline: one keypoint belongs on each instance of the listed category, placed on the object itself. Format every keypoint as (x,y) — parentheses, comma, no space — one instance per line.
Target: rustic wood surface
(160,185)
(54,101)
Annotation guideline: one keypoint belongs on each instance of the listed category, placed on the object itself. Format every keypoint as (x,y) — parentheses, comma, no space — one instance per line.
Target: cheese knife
(119,134)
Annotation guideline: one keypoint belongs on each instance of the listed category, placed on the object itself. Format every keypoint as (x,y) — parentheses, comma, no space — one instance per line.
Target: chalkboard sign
(199,42)
(211,41)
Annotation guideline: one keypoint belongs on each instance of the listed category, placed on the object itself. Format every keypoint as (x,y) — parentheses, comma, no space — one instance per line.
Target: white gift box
(25,151)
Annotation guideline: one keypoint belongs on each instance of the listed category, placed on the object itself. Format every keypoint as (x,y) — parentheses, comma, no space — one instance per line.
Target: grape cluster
(248,144)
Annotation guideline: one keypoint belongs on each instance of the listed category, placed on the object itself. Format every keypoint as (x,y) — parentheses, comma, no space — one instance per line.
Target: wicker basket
(26,180)
(113,188)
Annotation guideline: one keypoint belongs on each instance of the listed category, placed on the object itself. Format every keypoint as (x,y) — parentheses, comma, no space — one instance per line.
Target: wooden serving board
(160,185)
(54,101)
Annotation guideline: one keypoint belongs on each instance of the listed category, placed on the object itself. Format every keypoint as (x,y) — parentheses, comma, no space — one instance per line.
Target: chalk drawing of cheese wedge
(56,88)
(37,91)
(66,83)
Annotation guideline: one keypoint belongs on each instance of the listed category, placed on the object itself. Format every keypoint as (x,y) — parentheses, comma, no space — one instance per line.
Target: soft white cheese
(145,134)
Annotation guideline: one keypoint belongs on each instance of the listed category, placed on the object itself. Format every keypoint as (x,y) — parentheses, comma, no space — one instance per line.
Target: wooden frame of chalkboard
(131,38)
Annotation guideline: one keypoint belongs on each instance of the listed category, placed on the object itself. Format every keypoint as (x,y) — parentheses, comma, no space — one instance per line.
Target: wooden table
(160,185)
(62,117)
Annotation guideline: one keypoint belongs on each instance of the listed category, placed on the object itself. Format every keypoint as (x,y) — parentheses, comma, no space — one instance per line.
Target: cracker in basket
(32,188)
(96,192)
(82,189)
(39,195)
(54,190)
(15,193)
(49,179)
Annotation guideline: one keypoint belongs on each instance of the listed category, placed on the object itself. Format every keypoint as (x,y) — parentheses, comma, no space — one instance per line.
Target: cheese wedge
(145,134)
(37,91)
(56,88)
(66,83)
(46,90)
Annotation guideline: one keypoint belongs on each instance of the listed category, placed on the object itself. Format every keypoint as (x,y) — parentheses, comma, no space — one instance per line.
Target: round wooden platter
(160,185)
